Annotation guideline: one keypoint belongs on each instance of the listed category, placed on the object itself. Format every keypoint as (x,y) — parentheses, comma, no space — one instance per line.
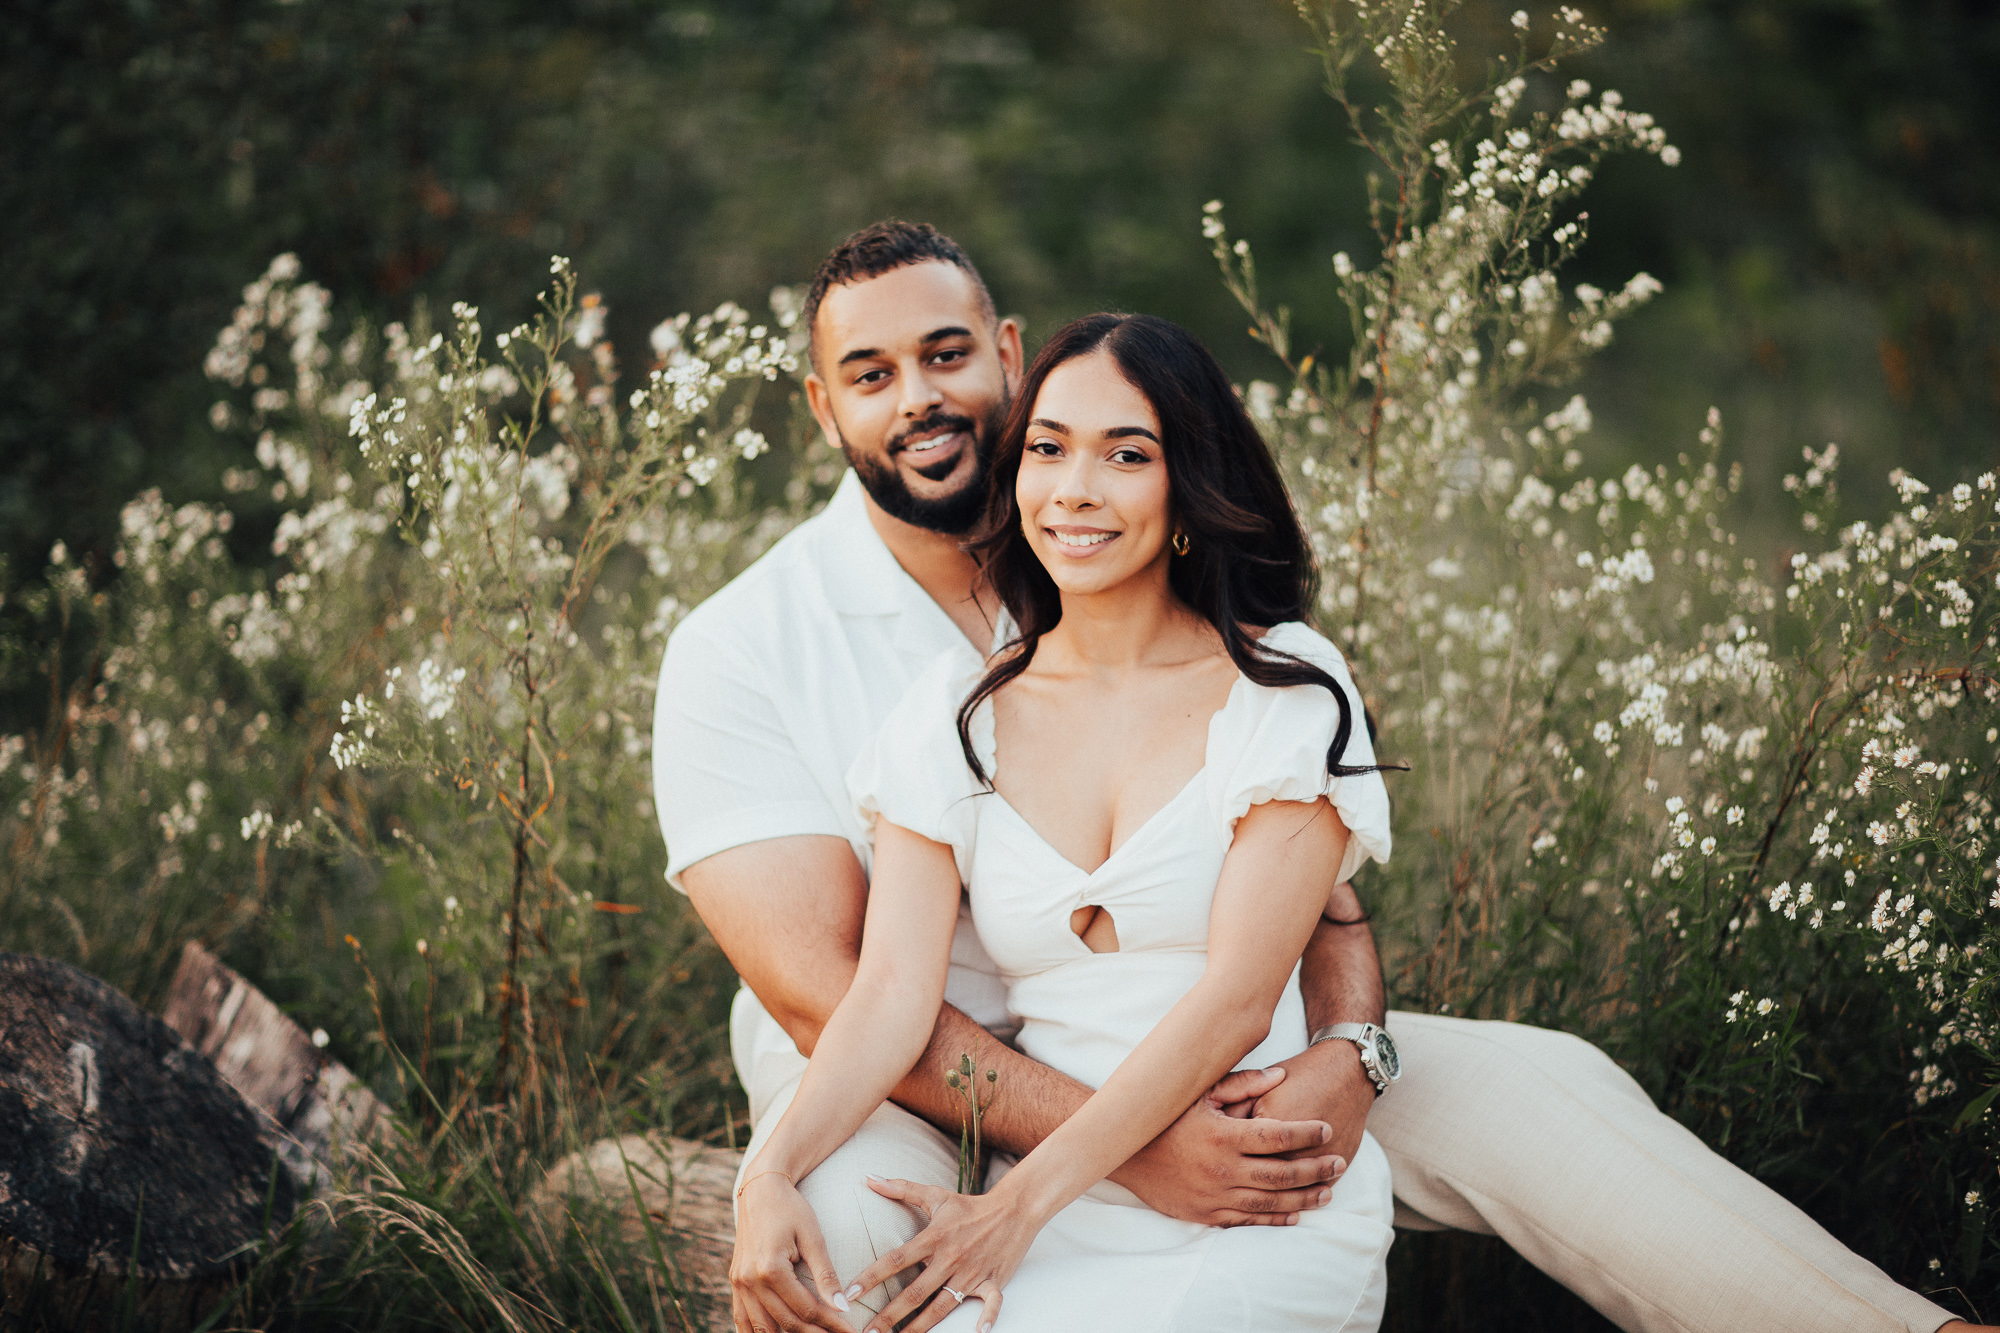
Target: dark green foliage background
(1828,245)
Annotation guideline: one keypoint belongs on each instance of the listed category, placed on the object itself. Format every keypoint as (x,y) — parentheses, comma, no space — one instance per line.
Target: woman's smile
(1080,542)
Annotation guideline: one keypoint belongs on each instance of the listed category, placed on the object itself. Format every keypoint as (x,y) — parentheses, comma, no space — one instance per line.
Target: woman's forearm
(1201,1038)
(884,1021)
(868,1045)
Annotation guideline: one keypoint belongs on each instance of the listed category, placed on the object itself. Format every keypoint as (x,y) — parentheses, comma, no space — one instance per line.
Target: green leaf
(1969,1244)
(1976,1109)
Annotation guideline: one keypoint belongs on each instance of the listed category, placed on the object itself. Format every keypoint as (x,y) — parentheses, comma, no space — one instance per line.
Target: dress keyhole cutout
(1094,926)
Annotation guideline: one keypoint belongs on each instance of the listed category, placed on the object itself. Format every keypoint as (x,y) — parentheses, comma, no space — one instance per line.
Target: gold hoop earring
(1180,543)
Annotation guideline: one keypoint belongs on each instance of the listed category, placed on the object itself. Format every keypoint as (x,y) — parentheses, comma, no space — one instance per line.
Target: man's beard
(952,515)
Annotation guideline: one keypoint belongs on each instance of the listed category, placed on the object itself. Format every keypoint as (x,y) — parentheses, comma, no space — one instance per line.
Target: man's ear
(1007,341)
(821,403)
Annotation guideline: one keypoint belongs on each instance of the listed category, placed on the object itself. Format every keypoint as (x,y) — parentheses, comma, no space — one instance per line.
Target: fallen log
(309,1107)
(134,1183)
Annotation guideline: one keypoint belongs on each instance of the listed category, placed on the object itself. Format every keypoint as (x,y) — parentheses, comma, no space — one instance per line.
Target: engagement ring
(958,1296)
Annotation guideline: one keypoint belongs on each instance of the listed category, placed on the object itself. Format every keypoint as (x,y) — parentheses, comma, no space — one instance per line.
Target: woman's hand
(970,1246)
(776,1229)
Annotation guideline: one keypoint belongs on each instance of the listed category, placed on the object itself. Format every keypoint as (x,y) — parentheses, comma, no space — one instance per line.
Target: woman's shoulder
(1301,640)
(1275,744)
(928,708)
(1292,721)
(958,665)
(913,769)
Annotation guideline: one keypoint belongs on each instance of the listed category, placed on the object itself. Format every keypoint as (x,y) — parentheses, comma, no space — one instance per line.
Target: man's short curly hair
(882,248)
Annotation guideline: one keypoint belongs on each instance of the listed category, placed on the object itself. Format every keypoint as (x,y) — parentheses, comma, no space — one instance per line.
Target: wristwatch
(1378,1053)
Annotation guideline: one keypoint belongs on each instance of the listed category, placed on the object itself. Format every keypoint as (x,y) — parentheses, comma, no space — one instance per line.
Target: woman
(1147,796)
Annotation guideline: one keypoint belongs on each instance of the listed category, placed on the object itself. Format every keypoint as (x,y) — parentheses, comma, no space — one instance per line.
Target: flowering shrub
(400,735)
(422,721)
(1732,822)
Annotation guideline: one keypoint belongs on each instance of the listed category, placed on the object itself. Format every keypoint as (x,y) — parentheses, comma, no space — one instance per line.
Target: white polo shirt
(769,690)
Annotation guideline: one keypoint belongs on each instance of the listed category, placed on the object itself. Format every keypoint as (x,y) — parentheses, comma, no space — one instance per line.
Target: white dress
(1108,1262)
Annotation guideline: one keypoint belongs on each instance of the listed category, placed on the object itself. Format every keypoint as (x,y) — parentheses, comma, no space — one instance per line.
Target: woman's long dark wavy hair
(1247,560)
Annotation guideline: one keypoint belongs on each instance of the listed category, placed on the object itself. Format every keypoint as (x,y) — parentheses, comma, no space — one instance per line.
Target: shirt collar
(862,577)
(860,574)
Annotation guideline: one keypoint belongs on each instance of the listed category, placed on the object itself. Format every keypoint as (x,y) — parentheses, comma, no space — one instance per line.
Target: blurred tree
(161,154)
(1831,262)
(1829,245)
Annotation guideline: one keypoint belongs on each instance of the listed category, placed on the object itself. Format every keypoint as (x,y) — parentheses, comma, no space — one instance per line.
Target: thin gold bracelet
(759,1176)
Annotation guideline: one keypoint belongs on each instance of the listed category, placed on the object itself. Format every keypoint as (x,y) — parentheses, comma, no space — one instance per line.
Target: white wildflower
(437,688)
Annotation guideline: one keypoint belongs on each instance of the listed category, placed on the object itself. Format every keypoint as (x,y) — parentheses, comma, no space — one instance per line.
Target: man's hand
(1324,1082)
(1223,1169)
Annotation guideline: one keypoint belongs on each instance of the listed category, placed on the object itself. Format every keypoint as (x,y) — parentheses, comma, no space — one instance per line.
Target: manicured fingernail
(851,1293)
(986,1327)
(840,1301)
(878,1180)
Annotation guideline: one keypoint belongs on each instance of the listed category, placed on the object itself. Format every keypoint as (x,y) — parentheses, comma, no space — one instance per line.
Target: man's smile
(927,444)
(934,451)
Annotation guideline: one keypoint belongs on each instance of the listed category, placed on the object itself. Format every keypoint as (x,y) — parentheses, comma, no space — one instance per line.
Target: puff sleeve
(1271,745)
(912,771)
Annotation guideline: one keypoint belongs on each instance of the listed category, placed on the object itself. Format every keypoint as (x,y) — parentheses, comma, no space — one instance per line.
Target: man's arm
(788,913)
(1340,980)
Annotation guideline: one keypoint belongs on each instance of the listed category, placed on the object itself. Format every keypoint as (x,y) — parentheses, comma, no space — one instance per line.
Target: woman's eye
(1128,456)
(1046,448)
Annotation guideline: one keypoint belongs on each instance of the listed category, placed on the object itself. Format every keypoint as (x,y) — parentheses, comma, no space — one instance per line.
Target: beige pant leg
(860,1225)
(1541,1139)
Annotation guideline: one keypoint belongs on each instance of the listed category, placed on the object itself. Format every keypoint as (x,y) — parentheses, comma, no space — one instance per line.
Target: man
(770,688)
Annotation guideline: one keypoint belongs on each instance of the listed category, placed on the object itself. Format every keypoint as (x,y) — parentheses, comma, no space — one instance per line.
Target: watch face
(1385,1055)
